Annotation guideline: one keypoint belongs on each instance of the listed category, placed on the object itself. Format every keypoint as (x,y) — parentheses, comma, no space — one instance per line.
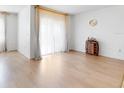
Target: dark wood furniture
(92,47)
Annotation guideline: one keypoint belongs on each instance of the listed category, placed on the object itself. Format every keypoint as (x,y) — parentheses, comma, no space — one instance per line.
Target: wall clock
(93,22)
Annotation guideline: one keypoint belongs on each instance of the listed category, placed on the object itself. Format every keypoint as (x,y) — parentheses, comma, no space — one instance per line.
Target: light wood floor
(71,69)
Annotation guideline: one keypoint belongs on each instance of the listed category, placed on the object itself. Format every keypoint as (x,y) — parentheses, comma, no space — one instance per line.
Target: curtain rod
(6,13)
(49,9)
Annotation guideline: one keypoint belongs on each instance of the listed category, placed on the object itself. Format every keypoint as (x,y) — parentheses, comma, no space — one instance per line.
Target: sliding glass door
(52,32)
(2,33)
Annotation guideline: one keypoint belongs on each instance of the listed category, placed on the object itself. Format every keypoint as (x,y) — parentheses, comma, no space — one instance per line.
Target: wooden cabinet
(92,47)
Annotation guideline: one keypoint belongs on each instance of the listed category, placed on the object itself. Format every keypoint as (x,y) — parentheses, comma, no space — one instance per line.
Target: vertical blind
(2,33)
(52,32)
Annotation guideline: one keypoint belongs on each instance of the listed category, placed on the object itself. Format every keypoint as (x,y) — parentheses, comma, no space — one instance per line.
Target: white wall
(109,31)
(11,34)
(69,31)
(24,31)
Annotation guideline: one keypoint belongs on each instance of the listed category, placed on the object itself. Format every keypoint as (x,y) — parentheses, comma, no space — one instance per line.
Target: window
(52,32)
(2,33)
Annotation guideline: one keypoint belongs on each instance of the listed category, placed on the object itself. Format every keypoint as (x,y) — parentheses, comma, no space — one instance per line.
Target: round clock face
(93,22)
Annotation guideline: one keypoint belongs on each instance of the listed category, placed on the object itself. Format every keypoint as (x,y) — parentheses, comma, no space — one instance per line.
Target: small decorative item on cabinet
(92,46)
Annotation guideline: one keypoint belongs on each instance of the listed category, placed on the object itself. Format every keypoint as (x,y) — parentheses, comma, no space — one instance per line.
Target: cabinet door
(92,48)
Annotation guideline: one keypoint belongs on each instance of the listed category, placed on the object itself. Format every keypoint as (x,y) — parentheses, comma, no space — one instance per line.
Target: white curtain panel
(52,32)
(2,33)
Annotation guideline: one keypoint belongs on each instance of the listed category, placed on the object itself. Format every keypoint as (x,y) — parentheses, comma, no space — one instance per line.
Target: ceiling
(70,9)
(11,8)
(75,9)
